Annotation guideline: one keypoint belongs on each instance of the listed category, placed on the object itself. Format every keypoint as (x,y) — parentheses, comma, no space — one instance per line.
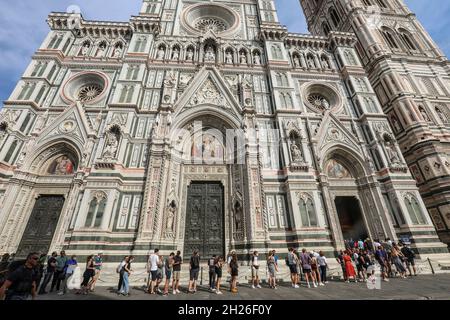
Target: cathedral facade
(207,125)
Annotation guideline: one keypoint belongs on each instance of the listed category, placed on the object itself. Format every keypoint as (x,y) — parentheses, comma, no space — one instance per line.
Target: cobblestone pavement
(424,287)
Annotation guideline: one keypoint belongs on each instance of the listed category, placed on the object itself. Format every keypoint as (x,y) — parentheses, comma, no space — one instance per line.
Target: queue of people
(27,278)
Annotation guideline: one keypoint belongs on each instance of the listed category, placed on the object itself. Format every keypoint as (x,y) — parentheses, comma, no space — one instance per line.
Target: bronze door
(204,220)
(41,226)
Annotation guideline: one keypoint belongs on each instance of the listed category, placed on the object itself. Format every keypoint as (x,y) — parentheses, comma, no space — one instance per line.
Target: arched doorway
(353,205)
(55,169)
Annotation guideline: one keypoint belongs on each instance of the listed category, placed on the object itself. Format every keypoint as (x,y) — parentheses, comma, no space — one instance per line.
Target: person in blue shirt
(69,268)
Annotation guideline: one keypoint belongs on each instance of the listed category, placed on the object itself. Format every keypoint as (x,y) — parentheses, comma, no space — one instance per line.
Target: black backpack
(195,262)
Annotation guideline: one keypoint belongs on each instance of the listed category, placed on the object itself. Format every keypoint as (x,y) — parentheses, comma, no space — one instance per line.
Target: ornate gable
(72,123)
(208,89)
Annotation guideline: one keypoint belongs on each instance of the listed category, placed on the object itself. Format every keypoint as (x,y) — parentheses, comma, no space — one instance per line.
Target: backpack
(13,266)
(195,263)
(119,267)
(287,260)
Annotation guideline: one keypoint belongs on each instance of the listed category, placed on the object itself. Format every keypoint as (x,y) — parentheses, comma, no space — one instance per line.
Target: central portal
(351,218)
(205,219)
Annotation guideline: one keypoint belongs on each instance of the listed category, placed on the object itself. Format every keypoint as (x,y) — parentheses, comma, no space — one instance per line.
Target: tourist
(272,268)
(98,262)
(177,261)
(381,257)
(255,270)
(194,268)
(160,274)
(212,272)
(168,270)
(125,290)
(306,267)
(51,268)
(59,271)
(88,275)
(69,270)
(20,284)
(315,269)
(340,260)
(153,270)
(322,262)
(234,271)
(218,270)
(361,266)
(291,261)
(120,271)
(387,247)
(397,258)
(349,269)
(410,256)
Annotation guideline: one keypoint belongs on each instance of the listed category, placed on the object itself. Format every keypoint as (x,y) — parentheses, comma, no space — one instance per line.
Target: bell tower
(411,77)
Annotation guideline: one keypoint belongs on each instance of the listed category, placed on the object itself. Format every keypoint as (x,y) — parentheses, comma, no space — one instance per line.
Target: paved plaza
(424,287)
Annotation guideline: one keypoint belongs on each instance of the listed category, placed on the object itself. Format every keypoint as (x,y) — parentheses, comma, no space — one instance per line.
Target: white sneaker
(253,286)
(60,293)
(326,282)
(315,285)
(258,286)
(219,292)
(174,292)
(321,284)
(296,286)
(178,291)
(309,286)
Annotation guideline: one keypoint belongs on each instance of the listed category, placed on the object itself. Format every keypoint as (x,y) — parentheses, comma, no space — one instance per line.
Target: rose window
(89,92)
(318,101)
(210,24)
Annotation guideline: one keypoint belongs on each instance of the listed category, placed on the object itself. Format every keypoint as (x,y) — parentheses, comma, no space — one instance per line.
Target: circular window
(321,97)
(203,17)
(211,24)
(87,87)
(318,101)
(89,92)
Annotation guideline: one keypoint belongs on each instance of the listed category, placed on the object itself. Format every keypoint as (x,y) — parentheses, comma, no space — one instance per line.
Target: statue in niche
(85,49)
(424,115)
(118,52)
(189,55)
(243,58)
(395,124)
(175,54)
(161,53)
(296,62)
(112,144)
(296,153)
(237,216)
(101,50)
(257,58)
(228,58)
(171,210)
(391,152)
(209,54)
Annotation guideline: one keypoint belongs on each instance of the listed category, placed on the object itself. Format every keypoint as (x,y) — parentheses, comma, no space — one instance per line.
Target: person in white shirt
(119,270)
(322,261)
(255,270)
(153,270)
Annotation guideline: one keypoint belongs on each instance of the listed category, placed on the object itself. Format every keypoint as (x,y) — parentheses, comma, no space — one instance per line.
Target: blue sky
(23,26)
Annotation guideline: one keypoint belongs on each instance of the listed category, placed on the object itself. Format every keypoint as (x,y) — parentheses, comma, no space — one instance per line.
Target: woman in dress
(234,271)
(397,258)
(272,268)
(349,269)
(88,275)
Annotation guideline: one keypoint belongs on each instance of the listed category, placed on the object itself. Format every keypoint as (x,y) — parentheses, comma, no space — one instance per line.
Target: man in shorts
(292,264)
(255,270)
(410,256)
(177,261)
(153,266)
(194,268)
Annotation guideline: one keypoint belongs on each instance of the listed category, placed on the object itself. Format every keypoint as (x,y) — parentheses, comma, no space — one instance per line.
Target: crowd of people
(25,278)
(22,279)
